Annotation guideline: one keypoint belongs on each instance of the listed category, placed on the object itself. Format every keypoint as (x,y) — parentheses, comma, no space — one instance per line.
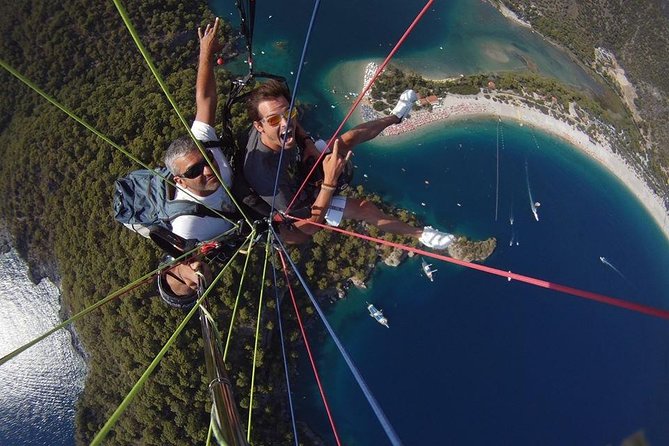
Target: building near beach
(430,100)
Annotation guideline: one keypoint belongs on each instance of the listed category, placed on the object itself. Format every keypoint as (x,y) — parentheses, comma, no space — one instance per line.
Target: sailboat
(427,269)
(533,204)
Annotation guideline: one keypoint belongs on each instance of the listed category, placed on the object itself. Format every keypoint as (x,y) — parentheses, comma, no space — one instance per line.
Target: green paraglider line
(96,132)
(100,436)
(129,287)
(147,58)
(239,292)
(257,336)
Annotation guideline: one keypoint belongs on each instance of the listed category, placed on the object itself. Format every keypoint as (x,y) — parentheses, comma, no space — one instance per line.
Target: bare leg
(368,212)
(182,278)
(366,131)
(301,234)
(369,130)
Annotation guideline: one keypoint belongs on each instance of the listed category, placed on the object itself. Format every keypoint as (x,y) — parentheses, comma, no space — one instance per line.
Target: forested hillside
(637,32)
(56,179)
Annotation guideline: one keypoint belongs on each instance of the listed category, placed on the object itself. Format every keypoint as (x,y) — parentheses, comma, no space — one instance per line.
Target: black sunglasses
(196,169)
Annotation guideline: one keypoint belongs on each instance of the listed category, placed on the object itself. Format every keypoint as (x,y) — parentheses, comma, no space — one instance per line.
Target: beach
(456,107)
(513,363)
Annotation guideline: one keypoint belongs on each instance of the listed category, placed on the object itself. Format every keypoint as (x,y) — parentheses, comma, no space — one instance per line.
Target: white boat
(378,315)
(533,204)
(427,269)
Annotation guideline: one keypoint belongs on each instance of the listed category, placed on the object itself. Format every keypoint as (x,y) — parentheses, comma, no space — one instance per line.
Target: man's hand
(333,164)
(209,43)
(183,278)
(205,85)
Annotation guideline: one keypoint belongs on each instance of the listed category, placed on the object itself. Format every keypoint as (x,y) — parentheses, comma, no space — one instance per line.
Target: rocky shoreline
(340,291)
(5,239)
(37,273)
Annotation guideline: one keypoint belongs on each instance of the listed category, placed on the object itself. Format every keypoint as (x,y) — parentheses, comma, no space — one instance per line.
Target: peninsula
(481,96)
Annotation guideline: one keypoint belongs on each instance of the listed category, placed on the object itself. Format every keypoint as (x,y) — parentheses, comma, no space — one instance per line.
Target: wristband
(328,187)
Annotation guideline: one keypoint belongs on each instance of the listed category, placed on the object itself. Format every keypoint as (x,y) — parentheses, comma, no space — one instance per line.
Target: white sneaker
(435,239)
(404,105)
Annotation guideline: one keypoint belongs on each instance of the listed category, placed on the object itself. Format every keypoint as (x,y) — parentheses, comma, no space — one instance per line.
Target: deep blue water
(472,358)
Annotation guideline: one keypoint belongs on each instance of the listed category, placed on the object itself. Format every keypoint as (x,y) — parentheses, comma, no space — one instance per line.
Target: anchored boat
(427,269)
(378,315)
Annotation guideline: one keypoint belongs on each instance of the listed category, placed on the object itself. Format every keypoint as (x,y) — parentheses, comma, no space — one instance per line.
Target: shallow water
(472,358)
(460,36)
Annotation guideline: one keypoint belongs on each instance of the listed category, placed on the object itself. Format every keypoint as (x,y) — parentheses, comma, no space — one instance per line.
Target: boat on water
(377,314)
(427,269)
(534,211)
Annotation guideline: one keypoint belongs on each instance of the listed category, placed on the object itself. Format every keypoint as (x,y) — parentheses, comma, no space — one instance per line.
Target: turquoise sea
(472,358)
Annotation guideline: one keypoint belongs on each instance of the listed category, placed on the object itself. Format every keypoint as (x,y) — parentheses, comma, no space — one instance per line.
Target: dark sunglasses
(196,169)
(275,120)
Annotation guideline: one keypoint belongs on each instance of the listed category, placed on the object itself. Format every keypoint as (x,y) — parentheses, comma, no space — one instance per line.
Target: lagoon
(474,359)
(471,358)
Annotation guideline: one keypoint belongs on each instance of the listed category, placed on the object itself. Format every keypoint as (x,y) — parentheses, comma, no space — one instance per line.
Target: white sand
(459,107)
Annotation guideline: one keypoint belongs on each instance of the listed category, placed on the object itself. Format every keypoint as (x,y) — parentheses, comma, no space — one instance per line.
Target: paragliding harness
(175,246)
(235,151)
(143,203)
(144,199)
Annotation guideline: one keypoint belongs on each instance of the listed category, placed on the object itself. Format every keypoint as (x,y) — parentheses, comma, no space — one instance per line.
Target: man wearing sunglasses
(196,177)
(276,129)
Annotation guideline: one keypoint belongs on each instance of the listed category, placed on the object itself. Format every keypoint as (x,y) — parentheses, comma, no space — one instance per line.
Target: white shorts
(335,212)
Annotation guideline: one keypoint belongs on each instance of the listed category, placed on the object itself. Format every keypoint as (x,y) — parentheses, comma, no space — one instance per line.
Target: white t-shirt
(206,228)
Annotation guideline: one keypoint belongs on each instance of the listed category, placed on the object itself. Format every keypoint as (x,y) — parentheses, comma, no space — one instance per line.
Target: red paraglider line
(306,344)
(632,306)
(360,97)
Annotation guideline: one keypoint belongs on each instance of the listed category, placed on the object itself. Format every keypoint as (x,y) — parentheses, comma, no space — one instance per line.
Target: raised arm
(205,86)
